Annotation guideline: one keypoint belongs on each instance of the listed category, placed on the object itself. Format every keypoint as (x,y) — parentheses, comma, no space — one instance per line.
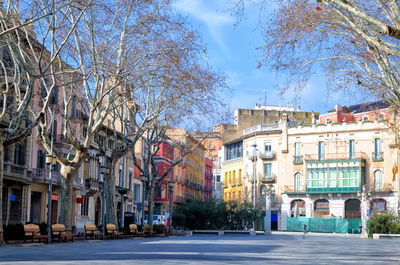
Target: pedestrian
(305,228)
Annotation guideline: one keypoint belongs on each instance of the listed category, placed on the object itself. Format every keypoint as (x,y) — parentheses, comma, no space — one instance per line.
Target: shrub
(382,223)
(158,229)
(13,231)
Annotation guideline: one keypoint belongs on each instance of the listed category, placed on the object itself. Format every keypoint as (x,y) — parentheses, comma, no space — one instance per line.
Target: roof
(369,106)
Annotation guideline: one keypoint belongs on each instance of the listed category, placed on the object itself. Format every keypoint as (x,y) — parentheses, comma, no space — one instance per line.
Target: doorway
(352,209)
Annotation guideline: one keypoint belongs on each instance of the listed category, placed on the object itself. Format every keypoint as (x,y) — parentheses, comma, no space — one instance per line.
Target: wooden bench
(32,231)
(147,231)
(112,231)
(91,231)
(58,231)
(133,230)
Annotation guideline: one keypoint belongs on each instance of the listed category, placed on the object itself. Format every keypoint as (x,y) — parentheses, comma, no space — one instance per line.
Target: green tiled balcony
(333,189)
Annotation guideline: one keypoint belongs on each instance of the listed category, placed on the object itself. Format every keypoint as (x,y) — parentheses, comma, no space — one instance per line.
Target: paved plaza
(210,249)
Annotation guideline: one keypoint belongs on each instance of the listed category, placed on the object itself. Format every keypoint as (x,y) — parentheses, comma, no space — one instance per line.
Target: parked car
(158,219)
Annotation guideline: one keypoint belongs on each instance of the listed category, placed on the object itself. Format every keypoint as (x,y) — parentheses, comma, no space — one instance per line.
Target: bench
(91,231)
(133,230)
(112,231)
(58,231)
(32,231)
(147,231)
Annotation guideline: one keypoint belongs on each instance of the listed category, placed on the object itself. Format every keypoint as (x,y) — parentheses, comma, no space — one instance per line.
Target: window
(348,177)
(352,149)
(297,152)
(85,206)
(233,150)
(321,151)
(136,193)
(297,182)
(378,180)
(267,148)
(19,154)
(73,109)
(130,179)
(54,97)
(317,178)
(240,176)
(7,60)
(234,177)
(267,171)
(377,148)
(163,191)
(41,159)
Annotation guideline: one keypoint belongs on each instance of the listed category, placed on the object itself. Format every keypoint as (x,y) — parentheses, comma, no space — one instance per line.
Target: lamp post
(254,173)
(364,194)
(143,178)
(50,161)
(105,170)
(267,221)
(171,186)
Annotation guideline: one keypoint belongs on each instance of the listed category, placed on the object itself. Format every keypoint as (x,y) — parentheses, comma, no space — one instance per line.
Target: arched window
(378,205)
(321,208)
(378,180)
(298,208)
(297,182)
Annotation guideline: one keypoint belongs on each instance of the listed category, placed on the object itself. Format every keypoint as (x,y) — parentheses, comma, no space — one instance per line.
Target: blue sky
(232,50)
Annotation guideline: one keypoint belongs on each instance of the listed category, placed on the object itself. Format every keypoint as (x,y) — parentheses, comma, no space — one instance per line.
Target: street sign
(368,212)
(139,206)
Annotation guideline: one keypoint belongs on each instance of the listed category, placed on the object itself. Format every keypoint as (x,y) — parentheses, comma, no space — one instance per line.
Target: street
(210,249)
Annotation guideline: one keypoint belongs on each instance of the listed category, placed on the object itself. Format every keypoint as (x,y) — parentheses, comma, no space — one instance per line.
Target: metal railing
(334,156)
(298,160)
(262,128)
(41,175)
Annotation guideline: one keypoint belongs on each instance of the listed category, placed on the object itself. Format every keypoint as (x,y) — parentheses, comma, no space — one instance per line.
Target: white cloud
(209,15)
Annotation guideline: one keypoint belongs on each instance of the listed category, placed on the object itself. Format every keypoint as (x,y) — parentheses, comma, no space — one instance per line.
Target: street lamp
(50,161)
(143,179)
(171,186)
(104,170)
(254,173)
(364,194)
(267,192)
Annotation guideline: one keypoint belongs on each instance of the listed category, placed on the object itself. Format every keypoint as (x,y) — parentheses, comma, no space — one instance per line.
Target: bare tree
(27,62)
(356,43)
(102,56)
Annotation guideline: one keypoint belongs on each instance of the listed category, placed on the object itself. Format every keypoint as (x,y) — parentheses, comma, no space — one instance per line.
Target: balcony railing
(269,179)
(298,160)
(41,175)
(335,156)
(263,128)
(377,156)
(334,189)
(267,155)
(92,184)
(294,189)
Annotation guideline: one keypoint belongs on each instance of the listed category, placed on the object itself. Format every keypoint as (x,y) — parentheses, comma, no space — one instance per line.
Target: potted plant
(123,191)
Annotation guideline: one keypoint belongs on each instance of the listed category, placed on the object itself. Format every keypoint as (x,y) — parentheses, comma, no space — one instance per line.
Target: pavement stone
(279,248)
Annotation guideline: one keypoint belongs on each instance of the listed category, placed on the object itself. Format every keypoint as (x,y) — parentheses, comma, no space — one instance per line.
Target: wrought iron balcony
(298,160)
(377,156)
(41,175)
(268,179)
(267,155)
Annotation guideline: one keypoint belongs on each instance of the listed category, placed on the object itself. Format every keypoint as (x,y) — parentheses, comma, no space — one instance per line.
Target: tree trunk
(66,202)
(1,191)
(111,209)
(150,199)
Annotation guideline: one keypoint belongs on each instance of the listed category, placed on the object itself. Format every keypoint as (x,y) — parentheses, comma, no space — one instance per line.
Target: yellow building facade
(232,172)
